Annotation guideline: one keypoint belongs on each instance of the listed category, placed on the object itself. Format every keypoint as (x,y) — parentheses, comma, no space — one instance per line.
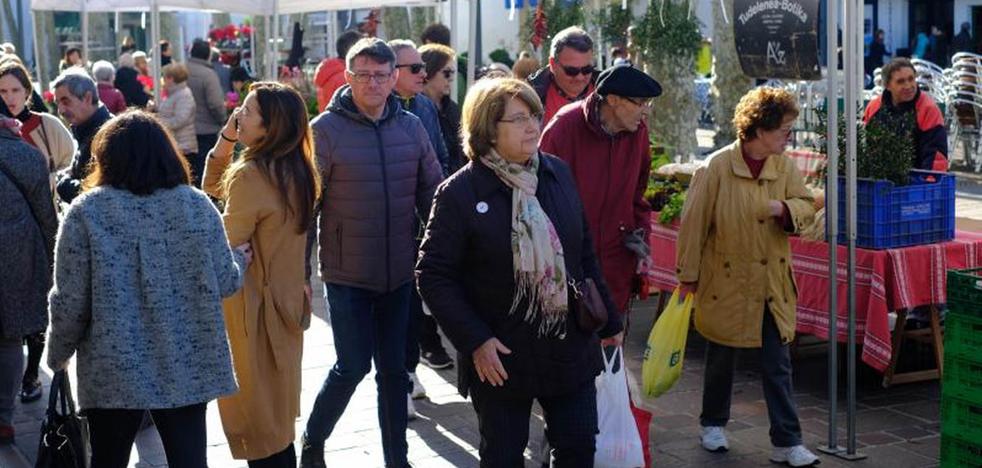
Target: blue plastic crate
(888,216)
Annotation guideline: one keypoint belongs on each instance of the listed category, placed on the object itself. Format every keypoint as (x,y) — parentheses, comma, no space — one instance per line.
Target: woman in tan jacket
(269,195)
(733,251)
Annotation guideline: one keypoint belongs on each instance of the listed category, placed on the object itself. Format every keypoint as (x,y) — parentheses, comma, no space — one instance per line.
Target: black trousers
(571,427)
(182,430)
(423,334)
(775,363)
(35,347)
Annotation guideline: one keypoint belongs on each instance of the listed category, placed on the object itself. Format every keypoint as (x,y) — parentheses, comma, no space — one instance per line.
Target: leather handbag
(64,434)
(591,312)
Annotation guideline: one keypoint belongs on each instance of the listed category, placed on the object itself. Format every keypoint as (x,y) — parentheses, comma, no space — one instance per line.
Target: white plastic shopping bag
(618,443)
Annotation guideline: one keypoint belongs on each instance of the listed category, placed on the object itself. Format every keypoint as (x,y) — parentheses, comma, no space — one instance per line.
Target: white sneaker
(798,455)
(714,439)
(418,390)
(410,408)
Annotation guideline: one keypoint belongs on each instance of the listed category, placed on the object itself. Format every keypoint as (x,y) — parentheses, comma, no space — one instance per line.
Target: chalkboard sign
(777,38)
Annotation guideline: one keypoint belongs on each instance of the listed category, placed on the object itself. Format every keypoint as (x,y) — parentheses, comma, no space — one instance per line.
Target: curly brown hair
(763,108)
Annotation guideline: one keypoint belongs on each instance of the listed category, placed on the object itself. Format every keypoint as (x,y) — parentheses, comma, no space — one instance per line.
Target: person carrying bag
(618,442)
(64,435)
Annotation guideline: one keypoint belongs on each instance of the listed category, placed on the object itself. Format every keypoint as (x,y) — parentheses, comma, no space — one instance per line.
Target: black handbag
(64,435)
(591,312)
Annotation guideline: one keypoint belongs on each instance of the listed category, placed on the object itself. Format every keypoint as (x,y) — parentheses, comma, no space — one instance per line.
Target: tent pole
(117,29)
(276,40)
(155,56)
(38,60)
(454,37)
(471,42)
(832,215)
(267,35)
(853,53)
(85,32)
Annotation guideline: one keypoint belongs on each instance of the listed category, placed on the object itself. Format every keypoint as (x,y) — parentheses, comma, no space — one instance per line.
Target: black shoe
(311,455)
(436,360)
(31,391)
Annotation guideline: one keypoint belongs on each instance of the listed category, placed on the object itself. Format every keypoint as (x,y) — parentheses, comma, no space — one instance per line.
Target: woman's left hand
(615,340)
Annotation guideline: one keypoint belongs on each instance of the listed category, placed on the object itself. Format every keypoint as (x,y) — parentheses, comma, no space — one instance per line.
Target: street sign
(777,38)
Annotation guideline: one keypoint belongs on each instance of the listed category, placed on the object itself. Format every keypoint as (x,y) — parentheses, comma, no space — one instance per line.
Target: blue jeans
(368,326)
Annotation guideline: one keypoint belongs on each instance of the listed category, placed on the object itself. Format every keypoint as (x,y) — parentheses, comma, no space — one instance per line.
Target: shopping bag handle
(609,362)
(675,297)
(60,392)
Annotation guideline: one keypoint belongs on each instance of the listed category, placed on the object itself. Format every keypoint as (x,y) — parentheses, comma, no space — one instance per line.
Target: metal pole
(454,38)
(267,35)
(38,60)
(116,29)
(471,42)
(852,54)
(276,40)
(832,219)
(85,32)
(155,57)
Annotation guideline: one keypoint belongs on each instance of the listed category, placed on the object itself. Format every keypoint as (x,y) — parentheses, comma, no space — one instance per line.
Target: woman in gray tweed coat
(141,266)
(27,239)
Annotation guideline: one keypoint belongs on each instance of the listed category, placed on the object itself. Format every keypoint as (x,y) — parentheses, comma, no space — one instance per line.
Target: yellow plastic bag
(662,365)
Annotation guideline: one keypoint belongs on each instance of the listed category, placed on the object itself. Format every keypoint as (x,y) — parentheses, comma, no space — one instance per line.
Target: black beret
(625,80)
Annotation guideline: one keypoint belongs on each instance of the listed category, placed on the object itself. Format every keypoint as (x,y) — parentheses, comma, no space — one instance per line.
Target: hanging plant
(613,20)
(668,40)
(555,16)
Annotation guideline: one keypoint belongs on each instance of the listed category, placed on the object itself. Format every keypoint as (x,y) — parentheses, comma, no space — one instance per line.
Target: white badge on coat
(482,207)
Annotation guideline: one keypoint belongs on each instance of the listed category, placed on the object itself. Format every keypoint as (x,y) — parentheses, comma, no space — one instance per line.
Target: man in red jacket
(604,139)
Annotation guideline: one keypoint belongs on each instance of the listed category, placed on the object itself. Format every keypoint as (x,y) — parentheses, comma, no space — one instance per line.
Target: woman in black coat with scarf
(505,240)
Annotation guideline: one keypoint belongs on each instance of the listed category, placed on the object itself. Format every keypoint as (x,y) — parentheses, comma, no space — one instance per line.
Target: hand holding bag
(618,441)
(662,365)
(64,435)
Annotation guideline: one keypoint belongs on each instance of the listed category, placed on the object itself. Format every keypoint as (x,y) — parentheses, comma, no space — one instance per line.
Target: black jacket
(127,83)
(449,115)
(466,279)
(70,179)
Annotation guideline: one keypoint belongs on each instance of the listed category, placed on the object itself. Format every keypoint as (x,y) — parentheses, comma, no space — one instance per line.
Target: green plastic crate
(963,335)
(965,291)
(957,452)
(962,417)
(962,379)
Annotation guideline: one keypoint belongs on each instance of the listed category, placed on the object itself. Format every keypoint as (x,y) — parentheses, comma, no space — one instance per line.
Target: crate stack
(961,386)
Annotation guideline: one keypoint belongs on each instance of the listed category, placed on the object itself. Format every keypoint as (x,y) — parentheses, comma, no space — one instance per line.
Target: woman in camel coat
(269,195)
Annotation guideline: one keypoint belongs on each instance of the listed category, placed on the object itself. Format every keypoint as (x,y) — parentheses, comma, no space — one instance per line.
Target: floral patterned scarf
(537,254)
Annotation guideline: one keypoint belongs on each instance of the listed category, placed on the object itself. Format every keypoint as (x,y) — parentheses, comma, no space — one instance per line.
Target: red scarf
(28,126)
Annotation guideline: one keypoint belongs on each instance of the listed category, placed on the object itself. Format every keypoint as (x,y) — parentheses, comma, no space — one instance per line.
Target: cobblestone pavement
(897,427)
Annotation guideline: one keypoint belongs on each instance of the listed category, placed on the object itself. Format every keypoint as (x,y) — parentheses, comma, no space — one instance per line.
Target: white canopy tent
(264,8)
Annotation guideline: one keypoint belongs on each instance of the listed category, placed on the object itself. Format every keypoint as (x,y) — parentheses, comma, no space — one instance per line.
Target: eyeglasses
(573,71)
(523,120)
(364,77)
(640,102)
(449,73)
(414,68)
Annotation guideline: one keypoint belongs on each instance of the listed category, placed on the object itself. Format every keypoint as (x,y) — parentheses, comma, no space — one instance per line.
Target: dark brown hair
(285,155)
(134,152)
(893,66)
(17,70)
(762,108)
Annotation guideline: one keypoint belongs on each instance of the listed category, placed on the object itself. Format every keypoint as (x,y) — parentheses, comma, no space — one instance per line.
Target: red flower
(49,97)
(246,30)
(231,31)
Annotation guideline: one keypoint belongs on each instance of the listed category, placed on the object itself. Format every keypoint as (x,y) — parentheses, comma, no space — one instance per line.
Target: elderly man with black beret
(604,139)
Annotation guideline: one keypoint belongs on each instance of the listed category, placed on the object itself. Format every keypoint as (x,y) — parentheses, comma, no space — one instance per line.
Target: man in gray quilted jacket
(379,169)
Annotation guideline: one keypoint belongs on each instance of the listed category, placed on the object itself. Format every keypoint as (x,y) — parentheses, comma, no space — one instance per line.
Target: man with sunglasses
(409,90)
(570,75)
(604,139)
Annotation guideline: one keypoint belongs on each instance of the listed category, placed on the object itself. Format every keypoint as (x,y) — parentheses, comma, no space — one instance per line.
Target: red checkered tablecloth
(886,280)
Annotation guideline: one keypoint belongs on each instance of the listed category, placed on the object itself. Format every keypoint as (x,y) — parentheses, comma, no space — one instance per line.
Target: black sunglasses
(414,68)
(573,71)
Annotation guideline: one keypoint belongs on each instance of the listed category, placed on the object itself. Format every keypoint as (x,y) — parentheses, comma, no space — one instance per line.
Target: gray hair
(78,83)
(397,45)
(126,61)
(573,37)
(372,48)
(103,71)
